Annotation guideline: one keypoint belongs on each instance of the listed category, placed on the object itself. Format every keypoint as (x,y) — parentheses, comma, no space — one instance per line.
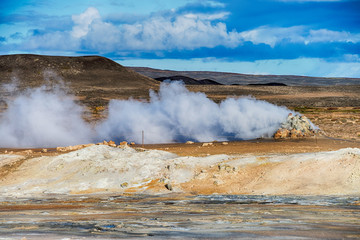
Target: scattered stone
(124,185)
(189,142)
(28,152)
(168,186)
(207,144)
(74,148)
(282,133)
(111,144)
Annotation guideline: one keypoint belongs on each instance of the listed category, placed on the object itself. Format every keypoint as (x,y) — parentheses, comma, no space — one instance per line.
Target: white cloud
(296,34)
(272,36)
(214,4)
(187,31)
(184,32)
(83,22)
(310,0)
(171,32)
(324,35)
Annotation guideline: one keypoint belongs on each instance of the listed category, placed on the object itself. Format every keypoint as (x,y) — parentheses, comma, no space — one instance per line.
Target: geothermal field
(90,149)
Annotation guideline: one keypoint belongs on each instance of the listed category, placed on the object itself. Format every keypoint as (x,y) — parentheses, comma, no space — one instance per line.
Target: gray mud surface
(179,217)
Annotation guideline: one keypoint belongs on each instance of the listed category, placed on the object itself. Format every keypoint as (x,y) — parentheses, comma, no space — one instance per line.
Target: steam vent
(295,126)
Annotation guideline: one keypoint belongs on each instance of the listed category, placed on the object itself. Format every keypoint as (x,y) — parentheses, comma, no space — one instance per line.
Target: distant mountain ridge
(246,79)
(188,80)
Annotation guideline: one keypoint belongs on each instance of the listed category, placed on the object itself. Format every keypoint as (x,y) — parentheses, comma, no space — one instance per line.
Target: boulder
(282,133)
(295,126)
(207,144)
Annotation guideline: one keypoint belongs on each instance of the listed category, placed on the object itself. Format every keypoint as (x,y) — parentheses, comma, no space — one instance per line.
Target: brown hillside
(91,78)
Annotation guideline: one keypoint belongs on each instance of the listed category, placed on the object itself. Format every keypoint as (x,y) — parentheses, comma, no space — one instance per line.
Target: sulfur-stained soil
(331,104)
(250,189)
(257,147)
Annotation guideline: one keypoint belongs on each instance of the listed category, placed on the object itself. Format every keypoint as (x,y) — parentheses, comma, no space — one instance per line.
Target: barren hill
(91,78)
(245,79)
(188,80)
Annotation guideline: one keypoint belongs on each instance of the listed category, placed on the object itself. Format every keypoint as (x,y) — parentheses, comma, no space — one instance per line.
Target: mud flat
(103,192)
(180,217)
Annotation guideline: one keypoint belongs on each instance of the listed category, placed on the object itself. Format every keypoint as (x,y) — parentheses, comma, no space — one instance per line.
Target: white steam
(42,118)
(175,114)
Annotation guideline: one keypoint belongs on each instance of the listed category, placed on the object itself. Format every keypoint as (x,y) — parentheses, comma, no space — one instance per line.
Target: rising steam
(175,114)
(41,118)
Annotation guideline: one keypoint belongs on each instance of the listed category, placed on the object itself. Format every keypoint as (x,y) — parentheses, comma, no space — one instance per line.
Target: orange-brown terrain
(96,80)
(255,188)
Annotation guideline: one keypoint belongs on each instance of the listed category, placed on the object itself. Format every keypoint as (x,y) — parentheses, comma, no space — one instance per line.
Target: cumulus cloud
(325,35)
(296,34)
(186,31)
(189,31)
(273,35)
(172,31)
(83,21)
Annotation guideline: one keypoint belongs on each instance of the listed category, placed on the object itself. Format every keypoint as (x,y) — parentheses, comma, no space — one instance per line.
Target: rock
(60,149)
(295,134)
(226,167)
(168,186)
(224,143)
(124,185)
(123,145)
(189,142)
(111,144)
(44,150)
(28,152)
(295,126)
(207,144)
(282,133)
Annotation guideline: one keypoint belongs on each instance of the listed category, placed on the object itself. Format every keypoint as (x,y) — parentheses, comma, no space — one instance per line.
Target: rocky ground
(111,190)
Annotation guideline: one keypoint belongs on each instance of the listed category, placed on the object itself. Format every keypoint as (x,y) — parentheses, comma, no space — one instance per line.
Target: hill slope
(94,70)
(91,78)
(245,79)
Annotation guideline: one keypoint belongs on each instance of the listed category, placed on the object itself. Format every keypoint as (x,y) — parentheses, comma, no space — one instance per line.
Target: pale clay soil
(276,166)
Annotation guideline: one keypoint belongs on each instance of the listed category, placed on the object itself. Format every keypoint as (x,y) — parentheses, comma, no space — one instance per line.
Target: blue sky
(298,37)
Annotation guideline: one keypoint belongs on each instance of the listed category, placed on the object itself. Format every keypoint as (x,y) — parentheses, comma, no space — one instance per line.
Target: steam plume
(175,114)
(42,118)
